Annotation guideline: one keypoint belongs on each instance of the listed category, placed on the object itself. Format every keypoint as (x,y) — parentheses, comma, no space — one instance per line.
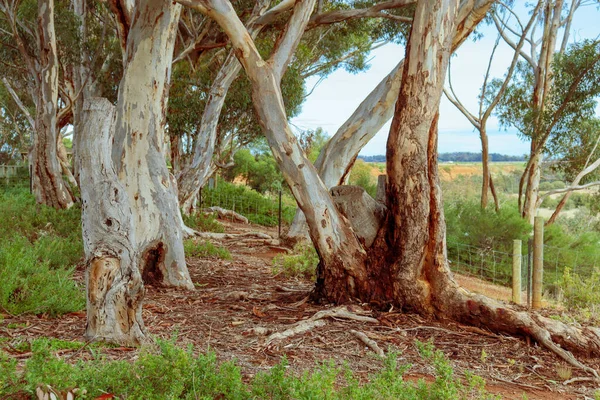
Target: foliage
(360,175)
(259,171)
(203,222)
(205,249)
(312,141)
(258,208)
(38,248)
(164,370)
(572,103)
(33,286)
(301,263)
(581,293)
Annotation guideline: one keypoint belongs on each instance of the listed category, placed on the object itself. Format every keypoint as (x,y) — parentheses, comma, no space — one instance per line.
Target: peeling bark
(337,157)
(138,151)
(114,284)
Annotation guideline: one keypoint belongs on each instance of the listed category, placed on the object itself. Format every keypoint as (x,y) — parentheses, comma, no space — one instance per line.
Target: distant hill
(456,157)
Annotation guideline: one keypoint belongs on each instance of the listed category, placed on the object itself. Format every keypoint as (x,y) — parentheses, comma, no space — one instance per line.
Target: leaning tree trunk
(338,247)
(337,157)
(138,151)
(48,185)
(114,284)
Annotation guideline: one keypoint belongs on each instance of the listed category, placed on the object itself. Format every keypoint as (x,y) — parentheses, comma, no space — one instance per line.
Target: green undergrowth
(165,371)
(302,262)
(39,248)
(203,222)
(258,208)
(194,248)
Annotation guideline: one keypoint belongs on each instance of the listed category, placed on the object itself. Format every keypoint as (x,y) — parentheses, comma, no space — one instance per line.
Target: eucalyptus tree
(31,61)
(538,116)
(337,157)
(132,226)
(405,263)
(335,36)
(488,101)
(568,113)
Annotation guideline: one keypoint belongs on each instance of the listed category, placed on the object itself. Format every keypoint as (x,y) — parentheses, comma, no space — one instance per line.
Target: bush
(33,286)
(581,293)
(258,208)
(360,175)
(301,263)
(205,249)
(203,222)
(165,371)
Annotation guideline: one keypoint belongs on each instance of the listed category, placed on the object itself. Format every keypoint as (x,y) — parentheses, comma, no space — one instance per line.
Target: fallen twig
(370,343)
(317,320)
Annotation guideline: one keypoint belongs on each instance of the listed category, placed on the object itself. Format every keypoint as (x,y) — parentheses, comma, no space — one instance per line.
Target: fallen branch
(301,327)
(370,343)
(317,321)
(226,214)
(235,236)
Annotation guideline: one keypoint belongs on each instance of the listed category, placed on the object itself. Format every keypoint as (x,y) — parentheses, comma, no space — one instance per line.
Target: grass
(39,247)
(205,249)
(259,209)
(164,371)
(203,223)
(302,262)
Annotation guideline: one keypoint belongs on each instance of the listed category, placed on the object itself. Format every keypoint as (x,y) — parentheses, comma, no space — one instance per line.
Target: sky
(336,97)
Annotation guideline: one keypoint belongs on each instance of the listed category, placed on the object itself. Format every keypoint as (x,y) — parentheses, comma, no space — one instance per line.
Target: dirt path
(234,297)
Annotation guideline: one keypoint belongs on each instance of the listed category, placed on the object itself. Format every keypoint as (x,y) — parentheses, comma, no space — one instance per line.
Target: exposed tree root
(317,320)
(370,343)
(556,336)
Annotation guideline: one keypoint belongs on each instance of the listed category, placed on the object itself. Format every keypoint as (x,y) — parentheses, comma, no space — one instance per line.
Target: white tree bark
(114,284)
(330,231)
(138,151)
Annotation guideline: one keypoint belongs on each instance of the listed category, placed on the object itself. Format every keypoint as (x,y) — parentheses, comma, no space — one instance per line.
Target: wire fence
(483,263)
(267,210)
(496,266)
(14,175)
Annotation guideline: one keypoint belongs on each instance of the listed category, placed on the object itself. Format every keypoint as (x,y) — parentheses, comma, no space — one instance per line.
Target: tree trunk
(532,189)
(541,97)
(485,162)
(114,284)
(337,157)
(48,185)
(138,150)
(195,176)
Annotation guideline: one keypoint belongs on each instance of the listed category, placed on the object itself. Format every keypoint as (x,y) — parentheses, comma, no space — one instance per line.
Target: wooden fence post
(538,263)
(516,272)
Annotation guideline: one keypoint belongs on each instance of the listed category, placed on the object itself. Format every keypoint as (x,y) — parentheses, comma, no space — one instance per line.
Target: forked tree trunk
(48,185)
(407,265)
(114,284)
(337,157)
(138,151)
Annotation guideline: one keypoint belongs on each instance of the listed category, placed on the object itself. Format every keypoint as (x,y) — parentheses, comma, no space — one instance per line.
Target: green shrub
(203,222)
(165,371)
(581,293)
(482,240)
(193,248)
(258,208)
(360,175)
(301,263)
(33,286)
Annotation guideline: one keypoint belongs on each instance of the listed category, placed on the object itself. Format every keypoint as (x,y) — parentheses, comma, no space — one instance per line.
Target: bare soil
(235,296)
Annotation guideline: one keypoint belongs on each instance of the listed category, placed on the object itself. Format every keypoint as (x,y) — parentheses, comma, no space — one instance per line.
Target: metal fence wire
(14,175)
(484,263)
